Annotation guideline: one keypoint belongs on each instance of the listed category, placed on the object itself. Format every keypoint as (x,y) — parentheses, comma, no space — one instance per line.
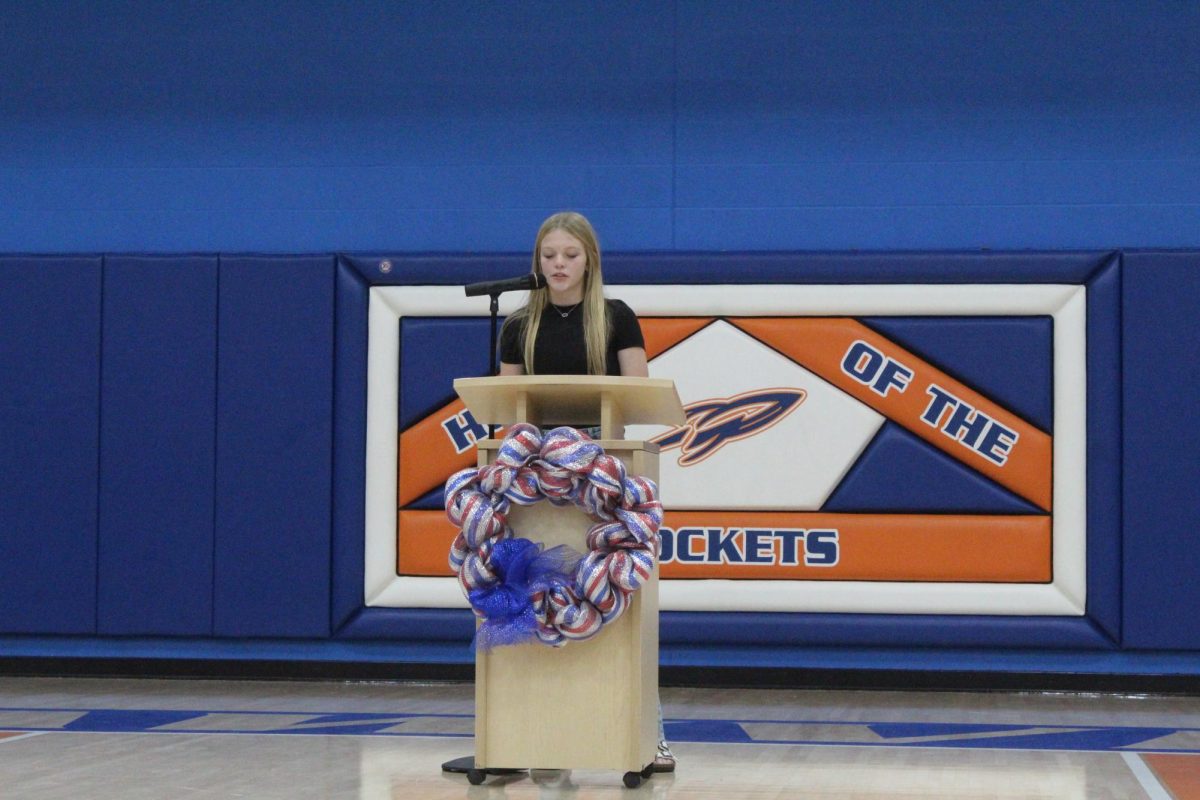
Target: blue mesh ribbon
(523,568)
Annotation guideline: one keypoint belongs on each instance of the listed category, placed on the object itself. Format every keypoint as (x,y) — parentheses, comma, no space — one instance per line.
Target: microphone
(533,280)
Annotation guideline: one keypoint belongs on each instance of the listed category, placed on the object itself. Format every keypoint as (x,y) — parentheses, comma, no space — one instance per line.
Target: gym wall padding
(1160,464)
(157,450)
(50,362)
(1105,500)
(202,469)
(681,630)
(274,412)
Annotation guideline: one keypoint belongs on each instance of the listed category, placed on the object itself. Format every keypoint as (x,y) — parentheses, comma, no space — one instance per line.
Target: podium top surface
(570,399)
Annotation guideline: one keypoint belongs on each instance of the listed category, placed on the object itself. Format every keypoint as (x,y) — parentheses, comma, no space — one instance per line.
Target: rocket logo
(712,424)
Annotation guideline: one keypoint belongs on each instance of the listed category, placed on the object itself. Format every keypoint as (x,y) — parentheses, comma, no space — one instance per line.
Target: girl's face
(564,262)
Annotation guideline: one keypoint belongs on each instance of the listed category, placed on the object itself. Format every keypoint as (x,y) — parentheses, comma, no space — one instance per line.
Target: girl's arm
(632,361)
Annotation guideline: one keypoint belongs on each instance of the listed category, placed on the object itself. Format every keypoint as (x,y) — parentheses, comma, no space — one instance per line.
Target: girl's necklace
(564,314)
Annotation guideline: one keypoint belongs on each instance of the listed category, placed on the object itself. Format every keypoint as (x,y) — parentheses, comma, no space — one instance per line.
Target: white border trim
(1066,304)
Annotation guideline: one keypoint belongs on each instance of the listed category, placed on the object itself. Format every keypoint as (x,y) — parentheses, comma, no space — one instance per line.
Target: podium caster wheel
(633,779)
(476,776)
(648,771)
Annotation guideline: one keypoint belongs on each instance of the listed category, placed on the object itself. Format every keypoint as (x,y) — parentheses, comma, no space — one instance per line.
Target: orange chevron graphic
(427,455)
(822,344)
(663,333)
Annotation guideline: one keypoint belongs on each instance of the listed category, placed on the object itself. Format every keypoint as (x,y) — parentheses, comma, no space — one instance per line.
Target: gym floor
(128,739)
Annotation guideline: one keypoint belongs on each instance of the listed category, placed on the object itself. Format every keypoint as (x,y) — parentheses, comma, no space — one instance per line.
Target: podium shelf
(571,400)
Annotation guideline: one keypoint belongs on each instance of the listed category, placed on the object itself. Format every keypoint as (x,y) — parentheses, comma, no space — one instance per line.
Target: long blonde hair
(595,310)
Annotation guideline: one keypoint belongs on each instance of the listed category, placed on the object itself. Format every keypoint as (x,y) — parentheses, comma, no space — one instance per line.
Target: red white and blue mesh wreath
(522,591)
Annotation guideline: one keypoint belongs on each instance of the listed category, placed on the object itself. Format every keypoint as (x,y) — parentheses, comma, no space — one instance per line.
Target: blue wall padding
(455,346)
(778,629)
(49,438)
(286,415)
(157,437)
(983,659)
(417,624)
(842,268)
(1008,360)
(884,630)
(449,269)
(176,647)
(1104,442)
(349,443)
(900,473)
(274,446)
(439,269)
(787,268)
(751,657)
(1161,456)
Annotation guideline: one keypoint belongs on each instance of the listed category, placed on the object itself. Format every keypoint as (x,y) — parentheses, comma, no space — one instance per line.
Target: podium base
(467,763)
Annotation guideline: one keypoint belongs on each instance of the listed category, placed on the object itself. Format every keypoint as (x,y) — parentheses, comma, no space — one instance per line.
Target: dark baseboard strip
(929,680)
(235,669)
(716,677)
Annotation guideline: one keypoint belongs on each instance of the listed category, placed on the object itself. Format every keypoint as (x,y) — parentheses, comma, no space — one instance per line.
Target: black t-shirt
(560,348)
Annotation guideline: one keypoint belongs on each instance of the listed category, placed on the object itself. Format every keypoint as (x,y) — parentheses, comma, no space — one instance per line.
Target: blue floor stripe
(1033,736)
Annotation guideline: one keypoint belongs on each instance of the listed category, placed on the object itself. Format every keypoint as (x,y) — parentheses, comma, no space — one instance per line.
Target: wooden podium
(590,704)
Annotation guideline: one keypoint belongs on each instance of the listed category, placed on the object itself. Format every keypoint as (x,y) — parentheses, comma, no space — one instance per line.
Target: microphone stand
(493,367)
(466,764)
(493,362)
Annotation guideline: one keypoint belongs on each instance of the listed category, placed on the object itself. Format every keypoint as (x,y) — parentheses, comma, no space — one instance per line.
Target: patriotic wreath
(519,589)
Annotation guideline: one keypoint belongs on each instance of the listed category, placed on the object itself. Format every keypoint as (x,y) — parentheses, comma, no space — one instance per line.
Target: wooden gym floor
(104,739)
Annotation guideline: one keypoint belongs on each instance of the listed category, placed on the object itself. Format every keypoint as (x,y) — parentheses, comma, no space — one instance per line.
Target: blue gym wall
(449,126)
(147,148)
